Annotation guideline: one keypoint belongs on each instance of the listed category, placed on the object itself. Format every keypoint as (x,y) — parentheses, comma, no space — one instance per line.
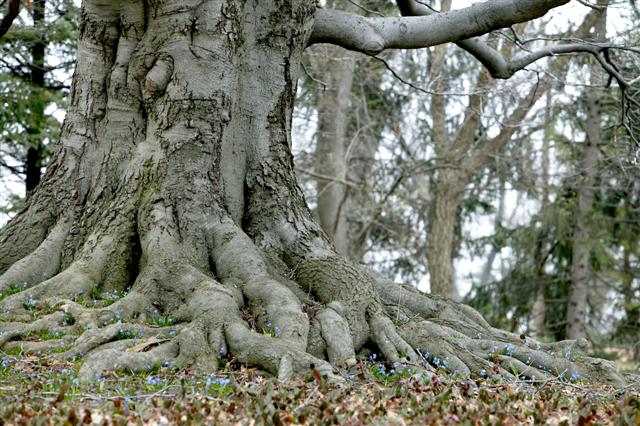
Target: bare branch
(592,6)
(373,35)
(491,59)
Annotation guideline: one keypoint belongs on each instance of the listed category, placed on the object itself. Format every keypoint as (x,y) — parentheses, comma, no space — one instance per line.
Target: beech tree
(173,182)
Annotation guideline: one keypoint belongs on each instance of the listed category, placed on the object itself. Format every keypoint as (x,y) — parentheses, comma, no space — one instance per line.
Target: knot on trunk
(158,76)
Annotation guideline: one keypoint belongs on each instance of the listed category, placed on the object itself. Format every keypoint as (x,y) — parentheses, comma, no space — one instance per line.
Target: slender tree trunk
(631,302)
(447,194)
(331,144)
(33,162)
(486,275)
(444,218)
(538,310)
(581,276)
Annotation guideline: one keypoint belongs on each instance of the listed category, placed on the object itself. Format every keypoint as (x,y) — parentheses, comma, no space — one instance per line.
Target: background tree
(551,232)
(36,57)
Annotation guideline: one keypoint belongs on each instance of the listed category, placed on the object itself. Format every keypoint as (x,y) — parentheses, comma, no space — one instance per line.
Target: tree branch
(7,20)
(373,35)
(491,59)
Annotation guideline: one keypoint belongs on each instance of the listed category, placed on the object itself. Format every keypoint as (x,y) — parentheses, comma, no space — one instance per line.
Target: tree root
(39,347)
(114,360)
(334,330)
(273,355)
(41,264)
(220,303)
(445,347)
(336,280)
(12,330)
(239,261)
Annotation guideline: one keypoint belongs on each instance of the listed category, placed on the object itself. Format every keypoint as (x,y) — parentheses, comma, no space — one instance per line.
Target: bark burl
(174,183)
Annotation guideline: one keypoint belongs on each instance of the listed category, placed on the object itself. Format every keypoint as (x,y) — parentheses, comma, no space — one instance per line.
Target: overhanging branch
(373,35)
(491,59)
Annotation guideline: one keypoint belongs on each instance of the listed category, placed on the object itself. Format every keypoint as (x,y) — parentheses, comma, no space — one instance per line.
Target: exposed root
(334,330)
(392,346)
(13,330)
(95,338)
(114,360)
(335,280)
(41,264)
(27,230)
(273,355)
(455,351)
(39,347)
(342,311)
(238,262)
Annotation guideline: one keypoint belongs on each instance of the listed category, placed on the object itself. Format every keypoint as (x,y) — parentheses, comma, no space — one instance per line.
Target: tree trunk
(174,184)
(33,162)
(538,313)
(630,329)
(447,195)
(331,144)
(581,255)
(446,202)
(581,276)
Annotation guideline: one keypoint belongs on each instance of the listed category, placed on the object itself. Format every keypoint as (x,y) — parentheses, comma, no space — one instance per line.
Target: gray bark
(373,35)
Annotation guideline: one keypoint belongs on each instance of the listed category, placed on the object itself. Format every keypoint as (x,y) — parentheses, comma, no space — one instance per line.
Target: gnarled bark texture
(174,184)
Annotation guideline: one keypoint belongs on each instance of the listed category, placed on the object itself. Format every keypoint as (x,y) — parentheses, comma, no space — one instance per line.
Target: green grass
(13,289)
(161,320)
(123,334)
(97,298)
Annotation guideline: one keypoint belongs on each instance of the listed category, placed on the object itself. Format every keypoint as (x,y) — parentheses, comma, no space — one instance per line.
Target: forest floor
(37,390)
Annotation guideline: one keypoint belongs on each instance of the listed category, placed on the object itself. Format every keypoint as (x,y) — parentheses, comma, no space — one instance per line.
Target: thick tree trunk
(174,183)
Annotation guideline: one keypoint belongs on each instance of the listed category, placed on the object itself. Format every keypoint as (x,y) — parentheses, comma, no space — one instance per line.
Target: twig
(329,178)
(374,12)
(592,6)
(315,80)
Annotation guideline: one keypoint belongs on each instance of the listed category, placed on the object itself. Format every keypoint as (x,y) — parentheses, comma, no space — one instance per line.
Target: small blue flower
(483,372)
(223,381)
